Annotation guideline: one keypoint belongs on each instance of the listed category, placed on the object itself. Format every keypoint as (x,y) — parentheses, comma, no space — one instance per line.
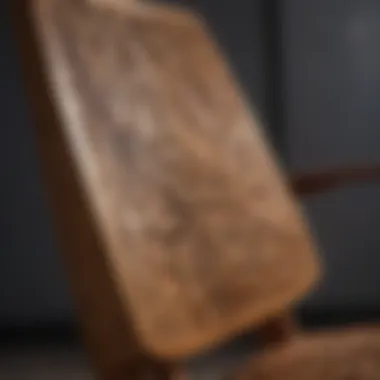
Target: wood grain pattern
(108,333)
(203,238)
(107,330)
(340,355)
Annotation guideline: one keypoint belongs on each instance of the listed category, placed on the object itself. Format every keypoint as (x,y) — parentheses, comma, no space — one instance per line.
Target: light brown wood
(201,236)
(110,340)
(177,227)
(340,355)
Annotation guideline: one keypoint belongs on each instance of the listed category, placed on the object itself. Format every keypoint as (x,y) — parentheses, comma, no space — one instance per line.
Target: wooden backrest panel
(106,326)
(202,236)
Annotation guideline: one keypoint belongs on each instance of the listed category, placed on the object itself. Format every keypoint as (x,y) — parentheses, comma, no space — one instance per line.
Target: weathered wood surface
(108,332)
(339,355)
(203,238)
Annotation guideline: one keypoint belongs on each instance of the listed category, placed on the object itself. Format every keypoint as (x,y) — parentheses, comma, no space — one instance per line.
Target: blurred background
(312,70)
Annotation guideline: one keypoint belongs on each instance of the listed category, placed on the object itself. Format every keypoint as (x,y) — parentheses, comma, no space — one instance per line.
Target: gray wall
(332,97)
(32,286)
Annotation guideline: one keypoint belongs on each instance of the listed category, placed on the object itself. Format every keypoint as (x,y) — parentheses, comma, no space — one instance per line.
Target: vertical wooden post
(278,329)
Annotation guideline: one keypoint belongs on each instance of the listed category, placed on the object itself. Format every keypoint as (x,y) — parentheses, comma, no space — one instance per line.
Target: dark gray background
(312,68)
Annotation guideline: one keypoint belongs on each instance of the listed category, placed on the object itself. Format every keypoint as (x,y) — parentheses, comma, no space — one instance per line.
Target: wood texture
(108,333)
(105,325)
(340,355)
(202,237)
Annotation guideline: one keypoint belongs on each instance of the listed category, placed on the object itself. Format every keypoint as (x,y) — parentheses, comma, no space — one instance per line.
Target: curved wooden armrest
(319,181)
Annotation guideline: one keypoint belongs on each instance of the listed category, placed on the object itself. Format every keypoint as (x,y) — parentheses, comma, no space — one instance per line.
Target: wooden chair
(178,229)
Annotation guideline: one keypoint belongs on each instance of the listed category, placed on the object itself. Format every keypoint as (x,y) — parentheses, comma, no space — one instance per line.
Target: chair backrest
(201,236)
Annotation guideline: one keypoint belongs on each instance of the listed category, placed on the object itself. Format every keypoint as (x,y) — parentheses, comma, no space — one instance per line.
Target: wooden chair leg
(278,329)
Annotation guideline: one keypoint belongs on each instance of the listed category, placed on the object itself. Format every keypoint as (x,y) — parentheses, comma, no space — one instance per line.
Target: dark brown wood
(315,182)
(279,329)
(338,355)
